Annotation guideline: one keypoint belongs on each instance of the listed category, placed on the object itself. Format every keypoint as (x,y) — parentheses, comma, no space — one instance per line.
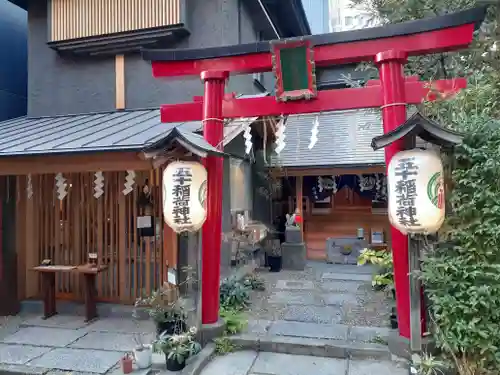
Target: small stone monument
(293,250)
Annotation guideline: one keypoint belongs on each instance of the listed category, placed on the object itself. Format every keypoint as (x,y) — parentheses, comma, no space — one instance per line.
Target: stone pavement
(332,303)
(34,345)
(253,363)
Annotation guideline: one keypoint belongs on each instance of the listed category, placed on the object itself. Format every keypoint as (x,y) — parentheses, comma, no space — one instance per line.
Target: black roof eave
(172,136)
(176,134)
(421,126)
(473,15)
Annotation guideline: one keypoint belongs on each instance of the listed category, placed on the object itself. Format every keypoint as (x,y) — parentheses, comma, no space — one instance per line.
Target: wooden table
(89,275)
(49,287)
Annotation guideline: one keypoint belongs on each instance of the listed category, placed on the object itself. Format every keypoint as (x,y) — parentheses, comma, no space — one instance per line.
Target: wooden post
(30,249)
(120,81)
(122,242)
(21,236)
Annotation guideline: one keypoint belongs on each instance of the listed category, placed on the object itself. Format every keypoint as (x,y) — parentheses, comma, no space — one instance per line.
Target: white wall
(344,17)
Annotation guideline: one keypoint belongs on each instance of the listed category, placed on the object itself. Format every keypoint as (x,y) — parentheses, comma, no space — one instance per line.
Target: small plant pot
(274,263)
(174,365)
(127,365)
(143,357)
(171,327)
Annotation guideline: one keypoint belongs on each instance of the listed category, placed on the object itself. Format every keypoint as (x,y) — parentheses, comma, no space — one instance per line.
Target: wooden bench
(88,274)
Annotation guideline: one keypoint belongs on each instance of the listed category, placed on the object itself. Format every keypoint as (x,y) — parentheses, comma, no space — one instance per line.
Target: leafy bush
(224,345)
(235,321)
(462,274)
(234,294)
(382,259)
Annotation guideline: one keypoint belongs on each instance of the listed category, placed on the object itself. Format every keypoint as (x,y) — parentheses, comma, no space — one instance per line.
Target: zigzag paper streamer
(61,186)
(98,185)
(280,136)
(314,132)
(29,187)
(129,183)
(248,139)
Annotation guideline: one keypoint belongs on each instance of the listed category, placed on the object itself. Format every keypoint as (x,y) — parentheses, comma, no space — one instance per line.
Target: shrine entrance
(294,63)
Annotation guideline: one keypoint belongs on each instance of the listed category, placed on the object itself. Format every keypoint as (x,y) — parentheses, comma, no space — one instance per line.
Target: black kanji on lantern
(182,195)
(406,192)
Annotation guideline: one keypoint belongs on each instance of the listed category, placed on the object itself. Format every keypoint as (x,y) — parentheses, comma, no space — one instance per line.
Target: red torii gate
(387,46)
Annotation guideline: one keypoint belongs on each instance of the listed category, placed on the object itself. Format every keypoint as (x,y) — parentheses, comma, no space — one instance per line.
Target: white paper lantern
(184,195)
(416,191)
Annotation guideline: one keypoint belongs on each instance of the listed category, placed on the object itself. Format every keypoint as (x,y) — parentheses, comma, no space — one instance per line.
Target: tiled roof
(344,140)
(120,130)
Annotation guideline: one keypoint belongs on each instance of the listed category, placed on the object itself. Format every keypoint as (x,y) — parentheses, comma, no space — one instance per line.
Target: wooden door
(68,229)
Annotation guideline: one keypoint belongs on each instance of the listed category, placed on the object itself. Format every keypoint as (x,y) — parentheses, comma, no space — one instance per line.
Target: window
(349,20)
(84,18)
(240,177)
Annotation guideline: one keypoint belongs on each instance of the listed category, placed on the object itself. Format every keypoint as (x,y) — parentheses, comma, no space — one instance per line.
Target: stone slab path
(67,343)
(264,363)
(325,301)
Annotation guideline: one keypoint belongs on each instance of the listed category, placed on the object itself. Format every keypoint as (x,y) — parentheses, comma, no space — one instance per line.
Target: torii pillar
(388,46)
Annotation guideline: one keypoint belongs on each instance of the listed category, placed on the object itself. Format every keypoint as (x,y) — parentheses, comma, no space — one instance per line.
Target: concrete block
(293,235)
(123,342)
(329,276)
(295,285)
(309,330)
(209,332)
(57,321)
(368,334)
(95,361)
(370,367)
(42,336)
(313,314)
(286,364)
(293,256)
(20,354)
(283,297)
(238,363)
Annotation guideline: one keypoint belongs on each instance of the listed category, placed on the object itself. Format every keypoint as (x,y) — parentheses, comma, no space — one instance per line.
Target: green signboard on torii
(294,70)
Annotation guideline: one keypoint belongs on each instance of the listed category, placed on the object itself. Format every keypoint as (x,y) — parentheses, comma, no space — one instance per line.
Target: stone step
(310,346)
(322,340)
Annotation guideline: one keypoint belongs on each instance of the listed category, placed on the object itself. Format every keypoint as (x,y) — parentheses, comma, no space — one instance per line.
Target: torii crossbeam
(388,46)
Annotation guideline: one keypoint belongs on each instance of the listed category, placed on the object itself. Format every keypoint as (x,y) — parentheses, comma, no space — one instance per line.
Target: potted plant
(166,310)
(346,250)
(142,353)
(127,364)
(274,259)
(178,348)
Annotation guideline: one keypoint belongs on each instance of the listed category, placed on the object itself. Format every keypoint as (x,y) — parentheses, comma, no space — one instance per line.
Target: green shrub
(383,260)
(235,321)
(462,274)
(234,294)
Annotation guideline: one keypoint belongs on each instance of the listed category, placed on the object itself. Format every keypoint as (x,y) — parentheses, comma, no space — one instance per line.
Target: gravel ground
(372,308)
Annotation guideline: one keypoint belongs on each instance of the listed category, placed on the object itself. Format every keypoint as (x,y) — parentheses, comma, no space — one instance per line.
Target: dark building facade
(14,63)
